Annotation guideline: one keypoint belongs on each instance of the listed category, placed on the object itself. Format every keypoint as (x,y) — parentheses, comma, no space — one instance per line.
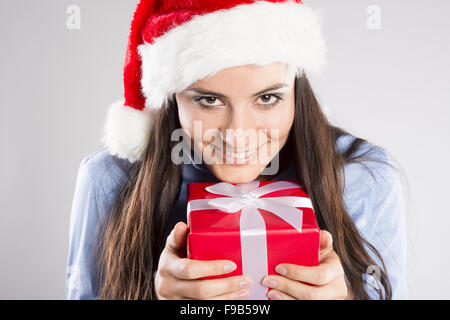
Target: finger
(176,240)
(292,288)
(187,269)
(336,289)
(240,295)
(205,289)
(321,274)
(278,295)
(326,242)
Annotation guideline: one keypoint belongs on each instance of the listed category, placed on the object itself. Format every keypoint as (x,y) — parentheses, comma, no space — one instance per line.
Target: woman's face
(239,119)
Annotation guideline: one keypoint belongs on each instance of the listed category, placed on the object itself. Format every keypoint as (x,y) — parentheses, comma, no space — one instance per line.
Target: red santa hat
(174,43)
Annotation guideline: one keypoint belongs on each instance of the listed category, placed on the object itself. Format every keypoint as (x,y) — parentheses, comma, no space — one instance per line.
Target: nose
(240,130)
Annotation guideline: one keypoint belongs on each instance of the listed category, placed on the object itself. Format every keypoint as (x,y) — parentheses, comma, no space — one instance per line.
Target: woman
(233,66)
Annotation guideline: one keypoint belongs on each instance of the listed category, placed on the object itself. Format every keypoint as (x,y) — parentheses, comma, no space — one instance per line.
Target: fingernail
(229,267)
(281,270)
(270,283)
(242,294)
(274,296)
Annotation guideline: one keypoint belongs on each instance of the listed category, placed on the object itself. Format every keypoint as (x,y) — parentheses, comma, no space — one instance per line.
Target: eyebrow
(212,93)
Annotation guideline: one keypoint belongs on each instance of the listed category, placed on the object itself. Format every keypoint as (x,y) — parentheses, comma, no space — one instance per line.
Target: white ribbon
(247,197)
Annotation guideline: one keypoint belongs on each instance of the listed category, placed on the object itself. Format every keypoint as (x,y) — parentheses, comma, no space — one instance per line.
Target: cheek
(186,116)
(288,121)
(282,120)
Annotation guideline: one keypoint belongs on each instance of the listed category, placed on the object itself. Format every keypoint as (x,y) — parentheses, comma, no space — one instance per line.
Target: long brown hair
(133,238)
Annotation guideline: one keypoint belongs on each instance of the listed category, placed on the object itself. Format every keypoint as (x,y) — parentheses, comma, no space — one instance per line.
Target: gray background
(389,86)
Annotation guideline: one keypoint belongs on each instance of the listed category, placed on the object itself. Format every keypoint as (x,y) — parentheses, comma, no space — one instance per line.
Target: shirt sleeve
(81,275)
(377,207)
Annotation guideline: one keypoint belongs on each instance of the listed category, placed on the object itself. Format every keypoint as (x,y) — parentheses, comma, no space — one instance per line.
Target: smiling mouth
(243,157)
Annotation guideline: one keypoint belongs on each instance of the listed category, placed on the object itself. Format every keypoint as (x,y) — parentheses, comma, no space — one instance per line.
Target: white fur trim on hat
(259,33)
(127,131)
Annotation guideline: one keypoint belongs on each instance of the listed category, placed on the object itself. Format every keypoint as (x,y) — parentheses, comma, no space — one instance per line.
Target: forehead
(247,78)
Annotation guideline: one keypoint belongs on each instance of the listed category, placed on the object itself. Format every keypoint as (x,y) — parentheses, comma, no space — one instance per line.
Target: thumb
(326,242)
(177,237)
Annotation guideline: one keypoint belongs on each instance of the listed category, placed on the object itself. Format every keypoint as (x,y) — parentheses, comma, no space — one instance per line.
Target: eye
(269,100)
(208,102)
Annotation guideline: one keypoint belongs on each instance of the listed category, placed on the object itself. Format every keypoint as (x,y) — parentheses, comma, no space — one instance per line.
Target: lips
(242,157)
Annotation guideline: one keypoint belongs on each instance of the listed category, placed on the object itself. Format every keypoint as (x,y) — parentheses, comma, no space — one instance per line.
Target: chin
(236,173)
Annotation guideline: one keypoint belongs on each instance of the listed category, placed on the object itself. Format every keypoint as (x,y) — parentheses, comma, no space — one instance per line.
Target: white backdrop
(386,81)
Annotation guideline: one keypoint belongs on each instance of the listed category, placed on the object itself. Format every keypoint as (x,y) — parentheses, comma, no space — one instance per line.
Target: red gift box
(257,225)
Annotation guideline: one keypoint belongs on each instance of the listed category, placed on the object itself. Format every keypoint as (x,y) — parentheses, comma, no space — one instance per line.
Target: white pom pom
(127,130)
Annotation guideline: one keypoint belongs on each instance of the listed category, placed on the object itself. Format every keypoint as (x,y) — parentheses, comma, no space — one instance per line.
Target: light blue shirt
(374,202)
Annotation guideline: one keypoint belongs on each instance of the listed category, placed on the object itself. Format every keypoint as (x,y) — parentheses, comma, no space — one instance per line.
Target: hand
(322,282)
(178,277)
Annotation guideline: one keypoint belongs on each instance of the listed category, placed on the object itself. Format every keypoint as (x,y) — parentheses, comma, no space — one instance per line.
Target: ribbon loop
(237,198)
(225,189)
